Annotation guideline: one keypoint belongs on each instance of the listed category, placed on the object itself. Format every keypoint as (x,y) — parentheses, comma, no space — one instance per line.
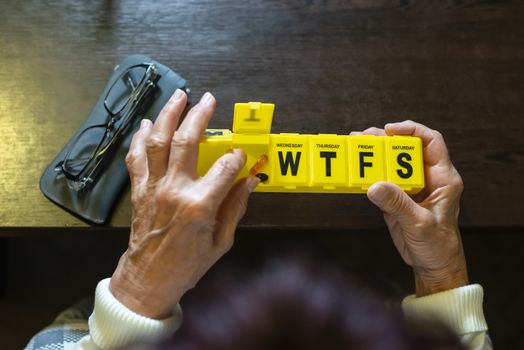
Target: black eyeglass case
(95,203)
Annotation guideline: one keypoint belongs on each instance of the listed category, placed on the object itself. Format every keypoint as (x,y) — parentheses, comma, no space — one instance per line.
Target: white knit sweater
(112,325)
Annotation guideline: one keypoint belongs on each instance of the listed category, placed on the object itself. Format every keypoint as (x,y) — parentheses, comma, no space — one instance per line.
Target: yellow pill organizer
(323,163)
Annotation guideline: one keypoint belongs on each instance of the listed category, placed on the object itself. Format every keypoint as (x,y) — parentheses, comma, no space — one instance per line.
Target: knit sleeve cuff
(459,308)
(112,325)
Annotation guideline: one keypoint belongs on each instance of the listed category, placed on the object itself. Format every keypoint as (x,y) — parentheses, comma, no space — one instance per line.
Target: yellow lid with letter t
(328,160)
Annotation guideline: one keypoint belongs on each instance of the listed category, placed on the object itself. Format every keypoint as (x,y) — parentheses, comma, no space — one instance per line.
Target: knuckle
(226,245)
(197,204)
(183,141)
(135,197)
(243,208)
(411,124)
(168,198)
(133,153)
(460,185)
(437,135)
(138,194)
(396,202)
(164,199)
(132,156)
(156,142)
(456,183)
(191,207)
(428,223)
(404,123)
(226,167)
(197,210)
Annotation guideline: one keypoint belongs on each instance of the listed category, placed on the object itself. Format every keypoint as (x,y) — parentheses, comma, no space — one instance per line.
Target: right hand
(425,229)
(181,223)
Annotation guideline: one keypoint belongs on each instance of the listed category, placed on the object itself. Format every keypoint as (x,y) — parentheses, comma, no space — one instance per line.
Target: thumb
(233,209)
(393,201)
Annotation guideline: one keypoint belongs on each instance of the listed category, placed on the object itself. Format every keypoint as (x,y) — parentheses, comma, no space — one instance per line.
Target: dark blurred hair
(297,305)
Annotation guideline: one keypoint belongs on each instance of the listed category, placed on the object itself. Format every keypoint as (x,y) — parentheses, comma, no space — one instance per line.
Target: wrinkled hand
(181,223)
(425,229)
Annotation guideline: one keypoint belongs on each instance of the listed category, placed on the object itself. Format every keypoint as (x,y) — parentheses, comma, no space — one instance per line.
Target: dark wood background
(329,66)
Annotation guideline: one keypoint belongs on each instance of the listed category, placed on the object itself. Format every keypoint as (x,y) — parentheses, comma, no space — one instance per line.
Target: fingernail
(238,151)
(178,94)
(252,183)
(377,192)
(207,98)
(143,124)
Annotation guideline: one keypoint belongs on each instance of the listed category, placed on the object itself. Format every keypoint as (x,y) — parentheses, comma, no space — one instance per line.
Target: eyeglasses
(124,100)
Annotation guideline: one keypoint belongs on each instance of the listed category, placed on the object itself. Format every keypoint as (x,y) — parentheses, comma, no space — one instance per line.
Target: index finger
(434,147)
(220,177)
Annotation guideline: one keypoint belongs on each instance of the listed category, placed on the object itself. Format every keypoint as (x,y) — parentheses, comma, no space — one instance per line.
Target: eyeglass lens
(87,145)
(118,95)
(94,140)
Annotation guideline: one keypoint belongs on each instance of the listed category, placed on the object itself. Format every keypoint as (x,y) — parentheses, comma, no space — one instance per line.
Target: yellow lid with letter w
(306,163)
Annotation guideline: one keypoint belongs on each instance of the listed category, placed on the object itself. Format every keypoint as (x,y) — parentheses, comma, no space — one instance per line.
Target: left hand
(424,228)
(181,223)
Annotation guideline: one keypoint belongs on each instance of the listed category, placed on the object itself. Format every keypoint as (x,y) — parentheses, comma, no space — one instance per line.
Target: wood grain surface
(329,66)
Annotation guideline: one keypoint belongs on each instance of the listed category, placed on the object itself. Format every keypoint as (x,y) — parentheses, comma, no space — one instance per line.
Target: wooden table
(330,67)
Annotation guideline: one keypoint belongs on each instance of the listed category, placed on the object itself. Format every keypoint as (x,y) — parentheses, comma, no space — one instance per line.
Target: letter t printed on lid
(253,118)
